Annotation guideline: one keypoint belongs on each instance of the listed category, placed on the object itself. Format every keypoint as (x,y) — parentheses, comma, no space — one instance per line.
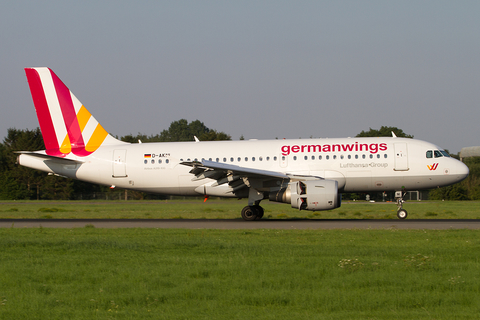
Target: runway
(443,224)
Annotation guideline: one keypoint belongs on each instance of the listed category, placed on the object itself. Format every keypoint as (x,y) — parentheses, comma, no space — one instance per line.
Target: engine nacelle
(314,195)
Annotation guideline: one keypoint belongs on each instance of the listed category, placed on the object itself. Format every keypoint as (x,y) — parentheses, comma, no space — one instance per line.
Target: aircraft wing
(224,173)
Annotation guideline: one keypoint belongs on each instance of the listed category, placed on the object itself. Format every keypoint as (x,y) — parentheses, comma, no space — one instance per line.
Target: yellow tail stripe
(83,116)
(66,146)
(97,138)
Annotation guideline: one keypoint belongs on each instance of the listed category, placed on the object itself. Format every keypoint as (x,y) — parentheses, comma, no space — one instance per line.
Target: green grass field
(195,208)
(90,273)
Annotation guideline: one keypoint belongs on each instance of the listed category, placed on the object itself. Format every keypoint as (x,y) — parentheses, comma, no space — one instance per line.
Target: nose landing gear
(401,213)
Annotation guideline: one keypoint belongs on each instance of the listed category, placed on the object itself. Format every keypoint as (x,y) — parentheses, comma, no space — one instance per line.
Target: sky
(261,69)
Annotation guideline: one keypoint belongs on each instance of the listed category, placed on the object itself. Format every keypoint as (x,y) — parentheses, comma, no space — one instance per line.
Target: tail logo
(67,126)
(432,167)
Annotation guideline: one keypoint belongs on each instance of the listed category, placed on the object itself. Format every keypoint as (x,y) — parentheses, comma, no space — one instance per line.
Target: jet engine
(314,195)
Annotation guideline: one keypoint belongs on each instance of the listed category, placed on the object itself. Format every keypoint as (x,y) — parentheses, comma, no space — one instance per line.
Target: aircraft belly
(358,181)
(427,182)
(328,174)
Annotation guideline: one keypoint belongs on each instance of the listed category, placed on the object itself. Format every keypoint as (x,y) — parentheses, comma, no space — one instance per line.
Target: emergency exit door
(119,163)
(401,157)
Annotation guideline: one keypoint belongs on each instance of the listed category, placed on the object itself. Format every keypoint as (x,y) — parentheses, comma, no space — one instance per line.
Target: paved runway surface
(240,224)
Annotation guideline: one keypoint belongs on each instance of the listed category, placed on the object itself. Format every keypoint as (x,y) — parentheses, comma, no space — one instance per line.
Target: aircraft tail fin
(66,125)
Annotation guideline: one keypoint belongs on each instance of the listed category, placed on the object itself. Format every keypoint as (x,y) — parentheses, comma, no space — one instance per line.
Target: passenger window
(295,158)
(239,159)
(246,158)
(167,161)
(217,159)
(429,154)
(231,159)
(378,156)
(159,161)
(334,157)
(319,157)
(313,157)
(306,157)
(349,156)
(327,157)
(341,157)
(356,156)
(268,158)
(260,158)
(385,156)
(224,159)
(145,161)
(153,161)
(363,156)
(253,158)
(275,158)
(371,156)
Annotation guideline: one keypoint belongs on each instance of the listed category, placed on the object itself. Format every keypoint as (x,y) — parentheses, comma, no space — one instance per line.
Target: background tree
(384,131)
(181,130)
(17,182)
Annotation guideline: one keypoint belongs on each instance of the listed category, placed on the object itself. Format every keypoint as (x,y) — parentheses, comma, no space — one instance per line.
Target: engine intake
(314,195)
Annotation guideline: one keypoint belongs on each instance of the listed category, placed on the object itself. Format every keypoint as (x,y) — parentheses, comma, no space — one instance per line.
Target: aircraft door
(401,157)
(119,163)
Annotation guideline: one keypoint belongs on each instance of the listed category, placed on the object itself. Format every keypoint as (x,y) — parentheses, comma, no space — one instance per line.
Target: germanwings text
(372,148)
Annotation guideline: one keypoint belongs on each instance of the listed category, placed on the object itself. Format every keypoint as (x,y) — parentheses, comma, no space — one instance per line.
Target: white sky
(264,69)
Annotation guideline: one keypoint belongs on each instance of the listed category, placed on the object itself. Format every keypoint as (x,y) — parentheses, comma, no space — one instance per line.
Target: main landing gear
(401,213)
(250,213)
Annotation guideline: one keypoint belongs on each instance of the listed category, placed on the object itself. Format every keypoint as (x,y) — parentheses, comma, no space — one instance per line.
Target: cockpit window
(445,153)
(437,154)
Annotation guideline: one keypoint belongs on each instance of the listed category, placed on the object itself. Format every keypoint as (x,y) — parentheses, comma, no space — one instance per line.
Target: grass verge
(228,209)
(94,273)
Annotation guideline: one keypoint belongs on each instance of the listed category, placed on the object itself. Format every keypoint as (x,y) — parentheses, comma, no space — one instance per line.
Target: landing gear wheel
(249,213)
(259,212)
(402,214)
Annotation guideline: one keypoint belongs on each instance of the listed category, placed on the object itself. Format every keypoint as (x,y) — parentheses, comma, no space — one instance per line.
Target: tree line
(20,183)
(17,182)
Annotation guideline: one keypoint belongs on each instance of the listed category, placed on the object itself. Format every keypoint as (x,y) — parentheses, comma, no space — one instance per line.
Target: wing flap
(224,173)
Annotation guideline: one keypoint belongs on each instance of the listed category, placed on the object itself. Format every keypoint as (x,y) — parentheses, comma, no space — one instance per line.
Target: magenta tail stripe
(68,112)
(43,113)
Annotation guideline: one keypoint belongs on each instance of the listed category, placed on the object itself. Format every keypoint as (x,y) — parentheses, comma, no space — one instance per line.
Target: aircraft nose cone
(461,170)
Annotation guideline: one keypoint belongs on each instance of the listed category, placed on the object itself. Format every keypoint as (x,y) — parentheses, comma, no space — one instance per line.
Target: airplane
(309,174)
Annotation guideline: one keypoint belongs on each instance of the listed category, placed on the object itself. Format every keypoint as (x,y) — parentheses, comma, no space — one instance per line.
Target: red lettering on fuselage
(372,148)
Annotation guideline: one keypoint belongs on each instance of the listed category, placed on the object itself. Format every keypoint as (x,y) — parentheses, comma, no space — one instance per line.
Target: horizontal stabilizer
(48,157)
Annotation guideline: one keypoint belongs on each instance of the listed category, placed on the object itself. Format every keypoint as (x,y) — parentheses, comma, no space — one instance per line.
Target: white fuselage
(357,164)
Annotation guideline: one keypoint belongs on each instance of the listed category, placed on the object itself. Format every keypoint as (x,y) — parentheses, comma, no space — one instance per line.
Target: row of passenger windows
(295,158)
(327,157)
